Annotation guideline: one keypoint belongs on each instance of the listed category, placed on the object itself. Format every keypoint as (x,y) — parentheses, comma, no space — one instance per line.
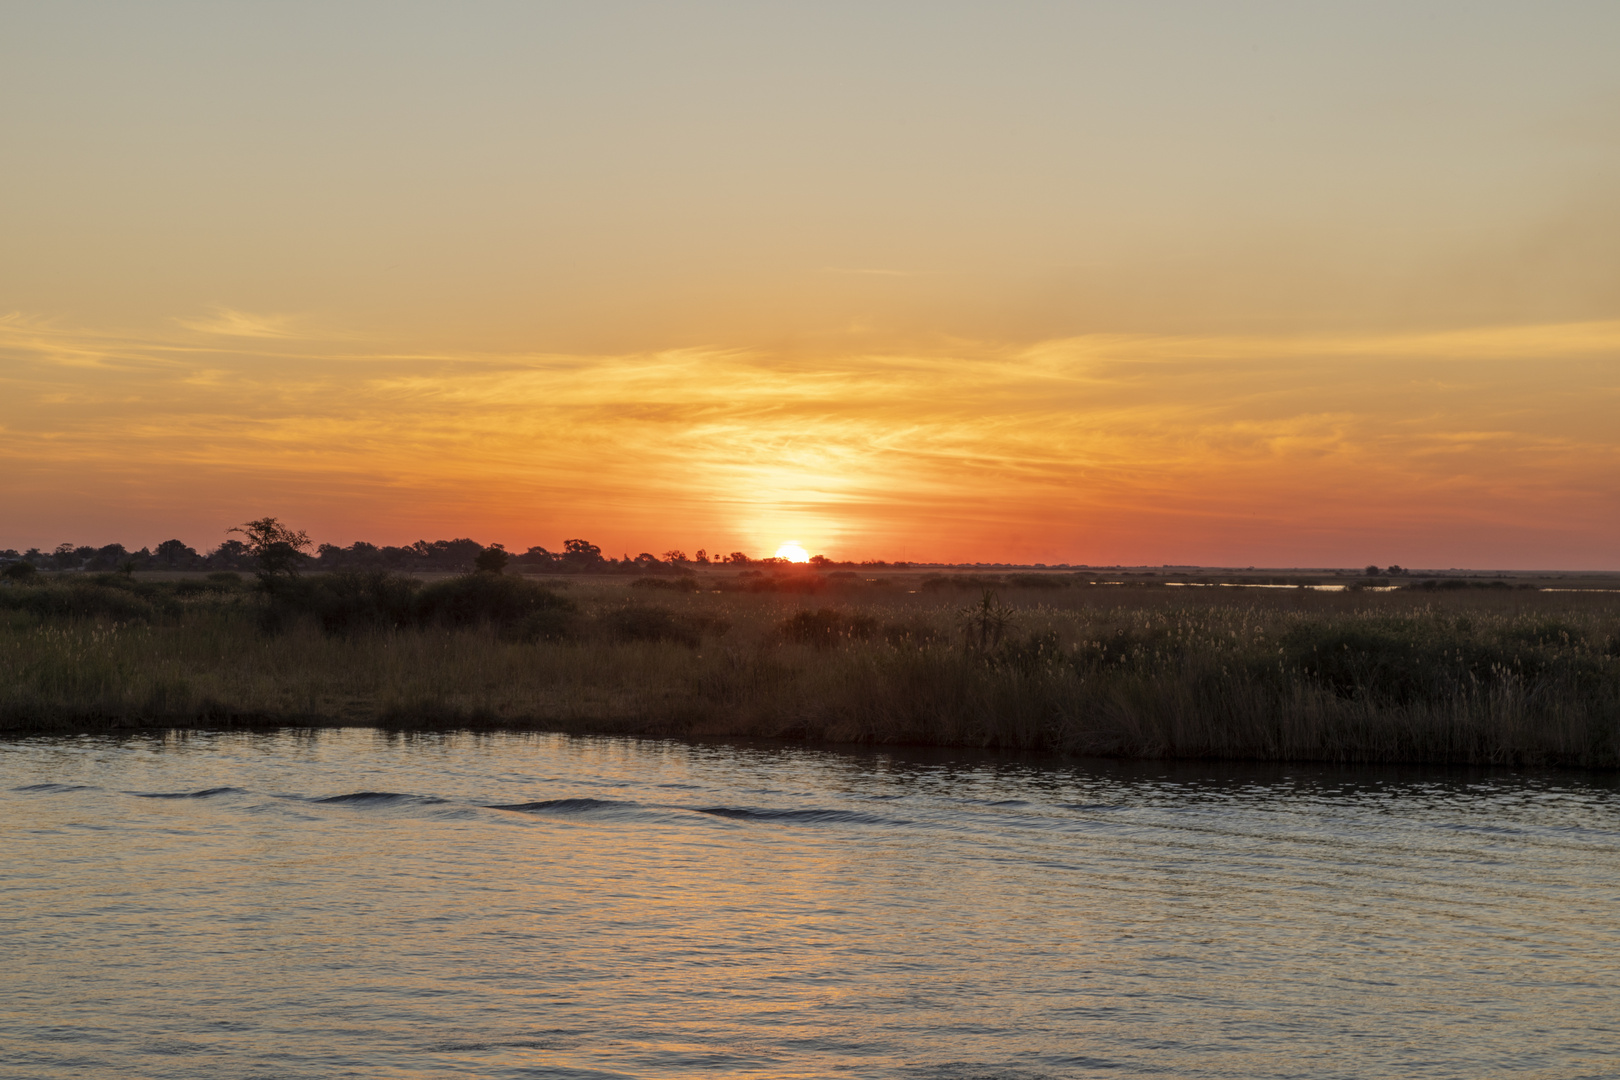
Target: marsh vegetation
(1065,665)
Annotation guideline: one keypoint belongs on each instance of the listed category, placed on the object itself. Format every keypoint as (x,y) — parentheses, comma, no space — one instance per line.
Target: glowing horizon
(949,282)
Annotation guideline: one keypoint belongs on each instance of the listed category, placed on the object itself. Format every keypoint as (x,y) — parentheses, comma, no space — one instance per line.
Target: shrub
(827,627)
(546,624)
(350,600)
(79,600)
(504,602)
(639,622)
(19,571)
(644,622)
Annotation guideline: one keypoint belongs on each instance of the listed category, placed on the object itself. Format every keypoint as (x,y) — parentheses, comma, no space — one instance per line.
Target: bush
(504,602)
(547,624)
(79,600)
(350,600)
(19,571)
(827,627)
(641,622)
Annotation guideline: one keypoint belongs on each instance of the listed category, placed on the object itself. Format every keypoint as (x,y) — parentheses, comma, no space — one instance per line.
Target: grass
(1478,676)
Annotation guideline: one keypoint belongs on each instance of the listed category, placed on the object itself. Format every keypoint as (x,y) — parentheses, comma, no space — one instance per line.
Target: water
(349,903)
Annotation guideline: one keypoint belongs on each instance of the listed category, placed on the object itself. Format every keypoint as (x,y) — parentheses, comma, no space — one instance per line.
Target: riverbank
(1409,676)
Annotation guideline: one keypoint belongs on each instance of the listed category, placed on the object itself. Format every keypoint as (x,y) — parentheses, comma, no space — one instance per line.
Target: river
(353,903)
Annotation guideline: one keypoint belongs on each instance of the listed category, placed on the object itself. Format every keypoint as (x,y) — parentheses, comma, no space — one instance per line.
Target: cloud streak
(1450,448)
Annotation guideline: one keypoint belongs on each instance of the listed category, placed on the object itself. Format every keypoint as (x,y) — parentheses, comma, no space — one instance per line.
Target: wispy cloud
(1118,448)
(228,322)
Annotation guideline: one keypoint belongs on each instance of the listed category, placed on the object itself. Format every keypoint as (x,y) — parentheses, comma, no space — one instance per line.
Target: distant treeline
(448,556)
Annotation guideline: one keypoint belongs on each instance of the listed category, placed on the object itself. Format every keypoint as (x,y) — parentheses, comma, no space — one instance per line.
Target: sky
(1293,284)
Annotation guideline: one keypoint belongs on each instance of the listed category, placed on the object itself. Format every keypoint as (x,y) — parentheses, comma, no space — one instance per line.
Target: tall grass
(1511,677)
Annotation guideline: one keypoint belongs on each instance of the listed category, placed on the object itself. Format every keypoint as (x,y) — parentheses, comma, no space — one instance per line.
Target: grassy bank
(1471,676)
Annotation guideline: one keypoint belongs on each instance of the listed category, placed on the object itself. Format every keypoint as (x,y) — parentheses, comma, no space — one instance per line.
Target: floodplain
(1423,670)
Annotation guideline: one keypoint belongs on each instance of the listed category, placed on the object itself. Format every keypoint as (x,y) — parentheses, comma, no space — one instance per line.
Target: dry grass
(1476,677)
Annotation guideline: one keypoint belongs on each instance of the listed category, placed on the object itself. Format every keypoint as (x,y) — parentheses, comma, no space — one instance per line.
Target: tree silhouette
(492,560)
(580,554)
(278,549)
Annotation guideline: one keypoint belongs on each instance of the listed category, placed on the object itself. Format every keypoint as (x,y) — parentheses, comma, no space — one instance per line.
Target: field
(1055,663)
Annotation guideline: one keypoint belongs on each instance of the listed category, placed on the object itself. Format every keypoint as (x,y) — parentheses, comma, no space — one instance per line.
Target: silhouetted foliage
(492,560)
(505,602)
(104,597)
(354,600)
(174,554)
(19,571)
(277,549)
(827,627)
(581,554)
(643,622)
(231,555)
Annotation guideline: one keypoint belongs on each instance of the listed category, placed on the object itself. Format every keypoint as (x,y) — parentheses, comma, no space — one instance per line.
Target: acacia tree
(278,549)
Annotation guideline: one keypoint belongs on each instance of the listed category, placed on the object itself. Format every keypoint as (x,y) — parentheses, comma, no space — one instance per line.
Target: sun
(792,552)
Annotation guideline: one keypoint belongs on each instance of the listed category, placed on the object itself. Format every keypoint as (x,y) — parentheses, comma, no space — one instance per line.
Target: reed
(1514,677)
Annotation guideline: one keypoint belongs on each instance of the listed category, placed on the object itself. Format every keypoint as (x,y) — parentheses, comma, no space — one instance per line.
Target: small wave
(373,797)
(1008,802)
(1091,806)
(565,806)
(49,789)
(481,1047)
(853,817)
(203,794)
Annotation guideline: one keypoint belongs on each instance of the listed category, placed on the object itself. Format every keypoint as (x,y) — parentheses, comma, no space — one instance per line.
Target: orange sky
(1063,283)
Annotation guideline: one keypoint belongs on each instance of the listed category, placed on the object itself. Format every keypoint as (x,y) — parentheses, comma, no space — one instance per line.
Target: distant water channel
(356,904)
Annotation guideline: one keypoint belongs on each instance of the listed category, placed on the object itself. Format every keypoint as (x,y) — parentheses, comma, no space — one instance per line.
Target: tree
(1372,571)
(674,556)
(492,560)
(173,552)
(538,556)
(278,549)
(580,554)
(737,557)
(701,556)
(111,557)
(231,555)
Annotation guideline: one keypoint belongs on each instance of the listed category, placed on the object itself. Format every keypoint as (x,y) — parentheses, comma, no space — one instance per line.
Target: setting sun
(792,552)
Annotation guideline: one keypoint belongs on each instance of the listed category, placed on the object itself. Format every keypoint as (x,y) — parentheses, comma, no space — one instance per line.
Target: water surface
(351,903)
